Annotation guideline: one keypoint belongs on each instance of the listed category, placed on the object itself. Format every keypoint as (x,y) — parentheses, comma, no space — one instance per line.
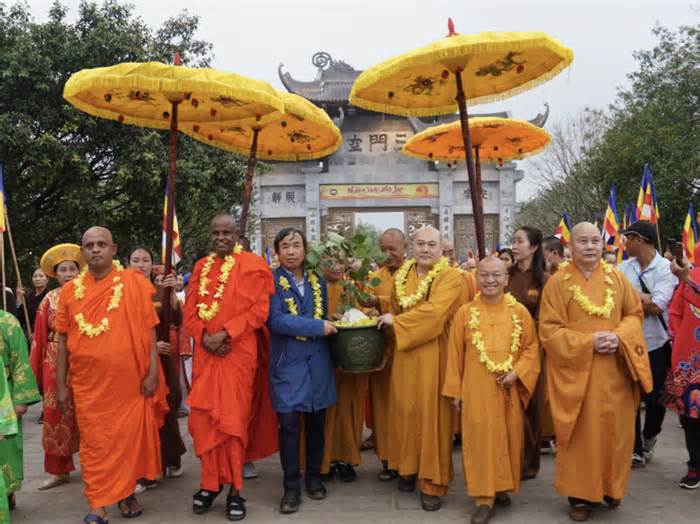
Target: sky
(252,37)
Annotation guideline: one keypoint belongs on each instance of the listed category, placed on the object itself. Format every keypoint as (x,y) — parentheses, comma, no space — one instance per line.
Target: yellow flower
(284,283)
(318,297)
(208,312)
(589,307)
(85,327)
(480,346)
(422,289)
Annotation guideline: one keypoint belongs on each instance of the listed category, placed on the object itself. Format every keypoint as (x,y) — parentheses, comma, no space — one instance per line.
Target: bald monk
(492,401)
(105,324)
(228,301)
(597,366)
(345,419)
(393,244)
(427,293)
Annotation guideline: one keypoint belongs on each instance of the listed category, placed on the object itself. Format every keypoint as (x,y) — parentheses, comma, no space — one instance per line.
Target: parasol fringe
(426,56)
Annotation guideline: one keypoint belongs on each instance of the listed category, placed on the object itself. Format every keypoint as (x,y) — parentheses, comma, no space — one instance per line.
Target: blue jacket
(301,372)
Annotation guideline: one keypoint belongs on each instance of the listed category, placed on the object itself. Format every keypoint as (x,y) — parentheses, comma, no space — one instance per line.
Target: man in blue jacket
(301,372)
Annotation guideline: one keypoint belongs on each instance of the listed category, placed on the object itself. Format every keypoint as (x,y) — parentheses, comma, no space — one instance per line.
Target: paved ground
(654,496)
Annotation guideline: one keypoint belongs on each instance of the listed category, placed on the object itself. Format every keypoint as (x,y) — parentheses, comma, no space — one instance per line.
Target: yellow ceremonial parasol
(305,132)
(439,78)
(493,138)
(162,96)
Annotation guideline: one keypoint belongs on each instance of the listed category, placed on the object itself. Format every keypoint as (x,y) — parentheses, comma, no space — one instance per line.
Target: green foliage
(654,121)
(66,170)
(356,255)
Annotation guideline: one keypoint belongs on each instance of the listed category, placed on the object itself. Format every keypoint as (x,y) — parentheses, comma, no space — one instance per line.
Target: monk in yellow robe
(597,366)
(393,244)
(427,293)
(492,394)
(105,324)
(345,419)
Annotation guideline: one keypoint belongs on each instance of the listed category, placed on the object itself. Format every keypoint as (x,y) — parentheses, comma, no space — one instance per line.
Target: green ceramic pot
(358,349)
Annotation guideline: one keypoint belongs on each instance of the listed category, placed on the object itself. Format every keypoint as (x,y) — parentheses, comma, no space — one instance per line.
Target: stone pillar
(445,215)
(313,209)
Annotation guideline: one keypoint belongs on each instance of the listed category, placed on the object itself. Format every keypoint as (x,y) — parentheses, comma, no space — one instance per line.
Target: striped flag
(690,234)
(268,256)
(647,206)
(563,231)
(622,253)
(2,200)
(177,249)
(611,224)
(632,216)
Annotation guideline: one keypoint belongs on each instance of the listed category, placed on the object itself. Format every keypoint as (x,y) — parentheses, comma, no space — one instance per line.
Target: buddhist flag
(647,206)
(622,253)
(611,224)
(268,256)
(2,200)
(632,215)
(690,234)
(177,250)
(563,231)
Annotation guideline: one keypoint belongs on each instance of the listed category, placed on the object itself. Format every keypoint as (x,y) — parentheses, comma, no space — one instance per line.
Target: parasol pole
(19,276)
(2,261)
(169,219)
(477,170)
(474,185)
(252,160)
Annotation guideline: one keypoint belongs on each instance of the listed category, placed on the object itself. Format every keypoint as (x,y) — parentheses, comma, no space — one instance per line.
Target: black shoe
(502,499)
(430,502)
(327,477)
(346,472)
(235,507)
(290,501)
(387,475)
(691,480)
(482,515)
(315,488)
(611,502)
(203,499)
(407,484)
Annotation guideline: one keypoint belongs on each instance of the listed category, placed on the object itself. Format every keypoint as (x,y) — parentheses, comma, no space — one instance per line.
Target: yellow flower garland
(85,327)
(208,311)
(315,289)
(478,341)
(402,274)
(589,307)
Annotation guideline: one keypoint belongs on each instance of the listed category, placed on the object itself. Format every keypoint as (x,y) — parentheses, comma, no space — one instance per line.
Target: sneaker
(290,501)
(691,480)
(648,446)
(174,472)
(249,471)
(638,461)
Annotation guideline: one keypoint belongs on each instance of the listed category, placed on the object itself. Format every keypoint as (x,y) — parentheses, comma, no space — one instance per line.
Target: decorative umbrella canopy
(494,66)
(142,94)
(305,132)
(497,139)
(161,96)
(442,76)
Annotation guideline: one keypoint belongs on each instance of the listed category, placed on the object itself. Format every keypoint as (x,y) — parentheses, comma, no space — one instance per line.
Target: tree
(655,121)
(66,170)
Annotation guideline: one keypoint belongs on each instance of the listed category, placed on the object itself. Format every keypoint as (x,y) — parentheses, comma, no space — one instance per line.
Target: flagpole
(2,260)
(13,253)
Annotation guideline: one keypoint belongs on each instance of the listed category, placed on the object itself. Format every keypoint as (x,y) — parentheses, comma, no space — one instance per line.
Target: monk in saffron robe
(597,366)
(345,419)
(105,324)
(393,244)
(427,293)
(228,300)
(492,394)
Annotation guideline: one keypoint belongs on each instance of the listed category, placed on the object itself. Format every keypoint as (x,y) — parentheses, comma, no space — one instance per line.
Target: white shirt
(661,283)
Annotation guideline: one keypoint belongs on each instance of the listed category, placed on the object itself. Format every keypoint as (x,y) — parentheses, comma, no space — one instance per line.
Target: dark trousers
(289,435)
(691,426)
(660,361)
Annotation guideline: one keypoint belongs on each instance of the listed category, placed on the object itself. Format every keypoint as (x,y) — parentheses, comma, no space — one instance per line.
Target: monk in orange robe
(597,366)
(227,302)
(105,324)
(393,244)
(345,419)
(427,293)
(492,394)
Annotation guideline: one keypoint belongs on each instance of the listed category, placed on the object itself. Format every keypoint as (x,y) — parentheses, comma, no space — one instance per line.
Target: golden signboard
(385,191)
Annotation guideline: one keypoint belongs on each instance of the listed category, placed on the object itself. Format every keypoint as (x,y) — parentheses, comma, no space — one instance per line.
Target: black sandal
(235,507)
(129,513)
(91,518)
(203,499)
(387,475)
